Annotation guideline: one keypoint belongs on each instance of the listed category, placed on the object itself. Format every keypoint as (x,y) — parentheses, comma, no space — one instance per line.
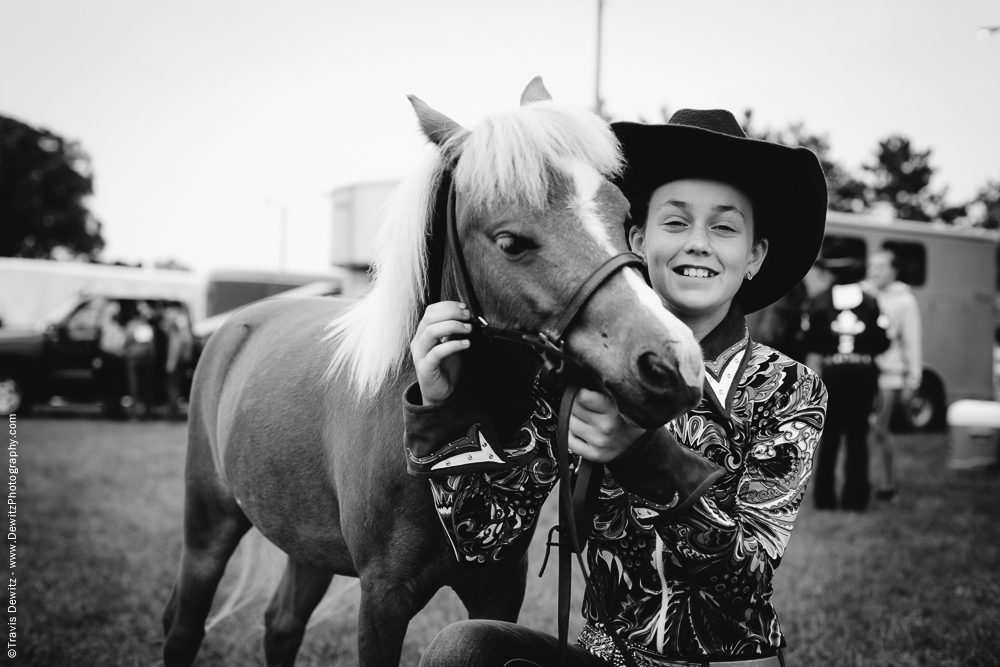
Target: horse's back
(251,341)
(261,403)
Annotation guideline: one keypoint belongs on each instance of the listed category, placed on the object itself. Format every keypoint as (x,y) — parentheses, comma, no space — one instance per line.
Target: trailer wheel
(925,411)
(11,394)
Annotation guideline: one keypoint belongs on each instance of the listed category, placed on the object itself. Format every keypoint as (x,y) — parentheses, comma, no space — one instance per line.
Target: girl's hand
(597,431)
(434,349)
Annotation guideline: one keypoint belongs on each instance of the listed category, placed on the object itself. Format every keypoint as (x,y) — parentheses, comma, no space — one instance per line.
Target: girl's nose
(697,241)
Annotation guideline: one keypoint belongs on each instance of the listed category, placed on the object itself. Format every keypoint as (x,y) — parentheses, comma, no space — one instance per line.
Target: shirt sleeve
(912,342)
(660,470)
(729,547)
(486,510)
(876,333)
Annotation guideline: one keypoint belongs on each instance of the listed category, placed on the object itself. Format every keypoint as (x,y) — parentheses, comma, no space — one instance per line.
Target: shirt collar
(726,339)
(724,350)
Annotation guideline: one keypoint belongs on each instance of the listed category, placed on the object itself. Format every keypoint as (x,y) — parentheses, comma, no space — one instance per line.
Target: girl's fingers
(439,330)
(441,311)
(595,401)
(586,450)
(583,430)
(434,334)
(442,351)
(600,422)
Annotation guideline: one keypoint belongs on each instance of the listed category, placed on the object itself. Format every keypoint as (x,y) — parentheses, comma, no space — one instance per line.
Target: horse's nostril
(655,373)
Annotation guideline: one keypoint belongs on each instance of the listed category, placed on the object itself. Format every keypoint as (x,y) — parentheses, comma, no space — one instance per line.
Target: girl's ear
(757,254)
(637,240)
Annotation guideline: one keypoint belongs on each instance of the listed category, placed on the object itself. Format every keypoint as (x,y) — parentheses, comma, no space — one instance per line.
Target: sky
(209,122)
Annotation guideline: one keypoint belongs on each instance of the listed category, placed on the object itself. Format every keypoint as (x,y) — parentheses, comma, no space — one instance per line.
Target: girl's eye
(511,244)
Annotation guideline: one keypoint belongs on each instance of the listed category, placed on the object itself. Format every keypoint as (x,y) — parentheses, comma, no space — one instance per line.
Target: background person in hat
(692,517)
(844,333)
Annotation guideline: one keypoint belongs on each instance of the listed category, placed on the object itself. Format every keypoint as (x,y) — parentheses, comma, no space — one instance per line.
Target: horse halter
(576,501)
(550,342)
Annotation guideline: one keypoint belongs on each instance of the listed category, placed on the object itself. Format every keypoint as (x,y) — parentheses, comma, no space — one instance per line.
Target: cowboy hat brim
(785,185)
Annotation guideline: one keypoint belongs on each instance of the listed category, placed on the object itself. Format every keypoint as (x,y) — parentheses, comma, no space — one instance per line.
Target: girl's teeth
(696,273)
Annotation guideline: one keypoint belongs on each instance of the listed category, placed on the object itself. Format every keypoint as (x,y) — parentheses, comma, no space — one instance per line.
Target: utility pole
(598,102)
(283,240)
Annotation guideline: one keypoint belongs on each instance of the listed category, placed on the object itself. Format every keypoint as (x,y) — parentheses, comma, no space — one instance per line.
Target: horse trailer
(953,274)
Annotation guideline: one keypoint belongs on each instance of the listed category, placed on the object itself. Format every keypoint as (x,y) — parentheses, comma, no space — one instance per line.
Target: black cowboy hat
(846,266)
(786,187)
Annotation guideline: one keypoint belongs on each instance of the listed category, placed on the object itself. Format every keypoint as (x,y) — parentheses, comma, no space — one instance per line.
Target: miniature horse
(295,422)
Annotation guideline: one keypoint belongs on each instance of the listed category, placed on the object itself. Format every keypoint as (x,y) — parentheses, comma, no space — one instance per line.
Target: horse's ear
(535,92)
(436,126)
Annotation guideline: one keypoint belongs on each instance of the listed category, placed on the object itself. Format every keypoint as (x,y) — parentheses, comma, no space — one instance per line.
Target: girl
(693,517)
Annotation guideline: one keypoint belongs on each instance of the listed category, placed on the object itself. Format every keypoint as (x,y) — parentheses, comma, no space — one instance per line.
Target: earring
(749,275)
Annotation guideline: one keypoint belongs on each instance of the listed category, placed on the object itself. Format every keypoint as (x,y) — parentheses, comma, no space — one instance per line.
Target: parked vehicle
(953,274)
(31,288)
(230,289)
(206,327)
(62,356)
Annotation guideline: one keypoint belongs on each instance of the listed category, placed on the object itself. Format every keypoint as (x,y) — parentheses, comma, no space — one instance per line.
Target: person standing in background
(901,366)
(179,350)
(139,355)
(844,330)
(111,363)
(780,324)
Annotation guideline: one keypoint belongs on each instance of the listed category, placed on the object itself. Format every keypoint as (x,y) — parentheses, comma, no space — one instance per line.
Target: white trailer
(31,288)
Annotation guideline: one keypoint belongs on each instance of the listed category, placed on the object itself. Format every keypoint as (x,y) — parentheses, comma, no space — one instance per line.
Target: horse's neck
(502,374)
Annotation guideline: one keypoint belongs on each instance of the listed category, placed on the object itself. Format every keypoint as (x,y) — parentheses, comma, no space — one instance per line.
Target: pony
(295,421)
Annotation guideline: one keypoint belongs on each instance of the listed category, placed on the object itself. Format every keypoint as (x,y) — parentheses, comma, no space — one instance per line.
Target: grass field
(916,583)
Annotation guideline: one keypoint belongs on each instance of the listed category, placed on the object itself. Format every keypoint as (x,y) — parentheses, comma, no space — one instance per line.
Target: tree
(901,177)
(171,265)
(43,182)
(988,200)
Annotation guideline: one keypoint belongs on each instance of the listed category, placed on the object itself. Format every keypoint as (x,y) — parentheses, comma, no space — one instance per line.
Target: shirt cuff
(449,438)
(659,469)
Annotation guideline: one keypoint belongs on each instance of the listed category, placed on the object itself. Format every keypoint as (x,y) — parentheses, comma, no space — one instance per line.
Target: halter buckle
(553,355)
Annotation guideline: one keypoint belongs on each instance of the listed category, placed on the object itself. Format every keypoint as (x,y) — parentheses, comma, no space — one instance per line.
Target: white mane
(502,160)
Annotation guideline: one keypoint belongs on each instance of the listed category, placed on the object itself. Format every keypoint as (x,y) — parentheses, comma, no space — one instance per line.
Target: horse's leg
(302,588)
(213,527)
(389,599)
(496,594)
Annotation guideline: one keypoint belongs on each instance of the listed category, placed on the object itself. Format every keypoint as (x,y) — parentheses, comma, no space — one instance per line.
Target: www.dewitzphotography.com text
(12,636)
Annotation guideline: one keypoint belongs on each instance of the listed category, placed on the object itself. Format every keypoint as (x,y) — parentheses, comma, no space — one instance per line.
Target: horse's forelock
(506,158)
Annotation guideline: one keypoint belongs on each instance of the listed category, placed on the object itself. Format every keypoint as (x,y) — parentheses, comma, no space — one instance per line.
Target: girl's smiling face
(698,242)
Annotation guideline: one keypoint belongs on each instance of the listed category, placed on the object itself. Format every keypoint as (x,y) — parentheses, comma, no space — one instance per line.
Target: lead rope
(575,515)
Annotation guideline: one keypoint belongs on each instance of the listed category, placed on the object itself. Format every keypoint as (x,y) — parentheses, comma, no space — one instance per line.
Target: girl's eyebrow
(681,204)
(674,202)
(725,209)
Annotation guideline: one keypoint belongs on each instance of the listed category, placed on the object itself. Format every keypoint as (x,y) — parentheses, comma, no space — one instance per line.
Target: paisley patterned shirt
(676,582)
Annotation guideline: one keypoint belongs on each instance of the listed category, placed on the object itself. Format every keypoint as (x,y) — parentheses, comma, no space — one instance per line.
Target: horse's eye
(513,245)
